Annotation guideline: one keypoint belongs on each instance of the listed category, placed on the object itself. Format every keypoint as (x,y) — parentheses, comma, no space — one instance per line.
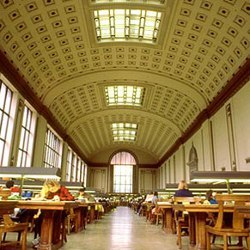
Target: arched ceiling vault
(52,53)
(127,76)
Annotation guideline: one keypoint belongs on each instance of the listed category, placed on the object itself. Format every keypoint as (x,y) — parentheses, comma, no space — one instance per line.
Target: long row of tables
(198,214)
(52,212)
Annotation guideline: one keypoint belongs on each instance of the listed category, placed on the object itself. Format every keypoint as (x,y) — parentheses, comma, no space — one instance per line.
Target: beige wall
(217,155)
(98,178)
(147,180)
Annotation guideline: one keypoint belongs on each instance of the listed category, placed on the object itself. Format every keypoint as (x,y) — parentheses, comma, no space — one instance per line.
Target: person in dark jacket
(210,197)
(183,190)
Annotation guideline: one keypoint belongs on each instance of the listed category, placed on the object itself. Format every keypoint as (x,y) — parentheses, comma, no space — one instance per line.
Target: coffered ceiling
(52,44)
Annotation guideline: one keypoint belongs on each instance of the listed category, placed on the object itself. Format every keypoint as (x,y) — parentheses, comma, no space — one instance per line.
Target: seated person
(10,185)
(51,190)
(210,198)
(86,196)
(183,190)
(154,207)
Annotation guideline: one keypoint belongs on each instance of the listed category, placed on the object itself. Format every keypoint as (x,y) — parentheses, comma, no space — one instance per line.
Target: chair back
(8,222)
(5,193)
(233,200)
(186,200)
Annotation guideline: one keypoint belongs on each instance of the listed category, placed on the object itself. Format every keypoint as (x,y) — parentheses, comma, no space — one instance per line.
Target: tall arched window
(123,163)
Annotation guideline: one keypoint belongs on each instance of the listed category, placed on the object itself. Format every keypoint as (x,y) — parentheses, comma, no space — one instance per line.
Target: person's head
(52,185)
(81,191)
(209,195)
(155,193)
(182,185)
(9,184)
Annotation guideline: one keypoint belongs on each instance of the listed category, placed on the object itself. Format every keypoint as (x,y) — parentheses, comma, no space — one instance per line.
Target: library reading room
(124,124)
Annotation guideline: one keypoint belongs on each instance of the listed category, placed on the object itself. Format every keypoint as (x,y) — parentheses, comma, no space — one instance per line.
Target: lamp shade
(30,172)
(220,176)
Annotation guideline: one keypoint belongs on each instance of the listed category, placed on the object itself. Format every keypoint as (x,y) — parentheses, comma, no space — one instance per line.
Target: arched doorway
(123,174)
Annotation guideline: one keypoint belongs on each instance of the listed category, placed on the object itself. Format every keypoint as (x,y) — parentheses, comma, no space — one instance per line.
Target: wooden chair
(235,230)
(159,215)
(143,211)
(181,219)
(10,226)
(148,211)
(71,221)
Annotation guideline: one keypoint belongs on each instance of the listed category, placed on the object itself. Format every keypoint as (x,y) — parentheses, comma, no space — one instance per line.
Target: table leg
(192,238)
(92,214)
(200,224)
(57,227)
(46,230)
(168,220)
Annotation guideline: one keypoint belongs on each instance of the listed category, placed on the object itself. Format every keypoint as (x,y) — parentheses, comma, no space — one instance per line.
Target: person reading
(51,190)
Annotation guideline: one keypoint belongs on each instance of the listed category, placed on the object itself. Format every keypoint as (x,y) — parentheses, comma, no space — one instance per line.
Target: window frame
(52,150)
(7,133)
(27,135)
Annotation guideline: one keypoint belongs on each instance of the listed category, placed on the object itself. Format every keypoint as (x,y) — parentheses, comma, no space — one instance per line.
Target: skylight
(124,95)
(127,24)
(124,131)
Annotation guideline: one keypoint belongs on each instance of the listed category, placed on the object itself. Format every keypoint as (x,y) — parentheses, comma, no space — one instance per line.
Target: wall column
(17,131)
(64,161)
(39,141)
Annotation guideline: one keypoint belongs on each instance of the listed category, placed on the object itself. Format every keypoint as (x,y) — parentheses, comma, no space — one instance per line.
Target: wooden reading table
(7,206)
(81,213)
(51,224)
(167,220)
(244,210)
(198,214)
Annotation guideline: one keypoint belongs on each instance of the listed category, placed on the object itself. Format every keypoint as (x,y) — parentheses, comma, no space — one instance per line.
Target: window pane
(53,150)
(4,126)
(26,139)
(123,178)
(8,101)
(2,95)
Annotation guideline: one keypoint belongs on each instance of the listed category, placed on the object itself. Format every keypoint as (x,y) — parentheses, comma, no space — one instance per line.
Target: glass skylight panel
(124,131)
(127,24)
(124,95)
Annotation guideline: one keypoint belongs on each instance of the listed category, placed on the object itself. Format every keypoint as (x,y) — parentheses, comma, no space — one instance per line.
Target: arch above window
(124,158)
